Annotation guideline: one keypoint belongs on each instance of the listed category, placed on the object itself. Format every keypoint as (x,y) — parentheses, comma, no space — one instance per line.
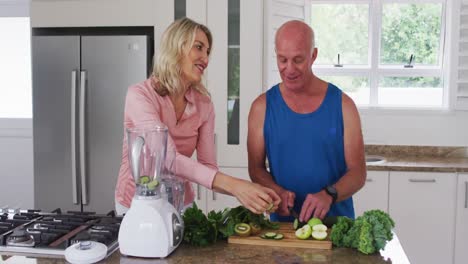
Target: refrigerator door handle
(73,136)
(84,191)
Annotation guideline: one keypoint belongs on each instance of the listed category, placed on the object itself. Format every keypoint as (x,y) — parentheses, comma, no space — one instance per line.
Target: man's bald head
(296,30)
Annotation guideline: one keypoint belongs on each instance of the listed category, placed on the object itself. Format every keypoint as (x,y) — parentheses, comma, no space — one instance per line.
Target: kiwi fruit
(242,229)
(255,228)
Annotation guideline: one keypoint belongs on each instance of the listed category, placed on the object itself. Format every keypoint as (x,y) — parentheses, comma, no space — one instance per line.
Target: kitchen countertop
(419,158)
(223,252)
(432,164)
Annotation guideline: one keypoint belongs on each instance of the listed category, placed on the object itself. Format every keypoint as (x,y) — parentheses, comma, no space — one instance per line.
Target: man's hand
(287,200)
(315,205)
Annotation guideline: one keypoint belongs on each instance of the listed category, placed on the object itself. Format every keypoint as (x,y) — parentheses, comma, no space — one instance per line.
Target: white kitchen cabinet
(75,13)
(235,65)
(461,234)
(200,196)
(374,194)
(423,207)
(104,13)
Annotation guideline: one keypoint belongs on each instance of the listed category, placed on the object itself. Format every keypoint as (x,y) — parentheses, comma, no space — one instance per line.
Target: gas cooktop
(37,233)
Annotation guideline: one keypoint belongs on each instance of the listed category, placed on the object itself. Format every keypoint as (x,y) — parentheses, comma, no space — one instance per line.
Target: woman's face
(194,64)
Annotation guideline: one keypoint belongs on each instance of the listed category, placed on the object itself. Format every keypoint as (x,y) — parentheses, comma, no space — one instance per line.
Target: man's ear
(314,54)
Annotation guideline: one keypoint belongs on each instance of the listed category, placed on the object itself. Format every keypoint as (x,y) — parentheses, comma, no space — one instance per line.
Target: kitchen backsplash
(417,151)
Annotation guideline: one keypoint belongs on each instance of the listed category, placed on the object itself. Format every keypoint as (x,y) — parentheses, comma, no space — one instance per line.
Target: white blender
(152,227)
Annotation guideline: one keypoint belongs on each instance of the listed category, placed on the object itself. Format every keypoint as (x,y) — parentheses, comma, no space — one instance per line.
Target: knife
(293,212)
(296,216)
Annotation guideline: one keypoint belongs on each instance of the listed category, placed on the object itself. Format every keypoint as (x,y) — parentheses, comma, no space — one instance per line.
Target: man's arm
(355,176)
(256,154)
(319,203)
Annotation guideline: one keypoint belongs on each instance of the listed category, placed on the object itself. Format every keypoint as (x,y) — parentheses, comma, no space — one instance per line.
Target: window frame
(374,70)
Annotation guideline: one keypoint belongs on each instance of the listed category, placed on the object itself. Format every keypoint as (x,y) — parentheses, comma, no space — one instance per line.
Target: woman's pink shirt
(194,131)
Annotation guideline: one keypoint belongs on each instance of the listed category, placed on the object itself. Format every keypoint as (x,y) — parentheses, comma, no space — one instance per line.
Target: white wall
(412,128)
(16,163)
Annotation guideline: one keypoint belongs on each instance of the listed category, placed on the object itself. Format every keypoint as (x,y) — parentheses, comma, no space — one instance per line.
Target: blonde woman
(175,96)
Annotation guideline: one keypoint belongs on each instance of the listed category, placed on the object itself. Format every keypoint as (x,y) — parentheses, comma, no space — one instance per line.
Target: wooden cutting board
(289,240)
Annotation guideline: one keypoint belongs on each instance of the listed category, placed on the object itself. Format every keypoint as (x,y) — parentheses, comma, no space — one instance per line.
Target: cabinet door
(217,201)
(423,207)
(461,240)
(234,76)
(374,194)
(200,196)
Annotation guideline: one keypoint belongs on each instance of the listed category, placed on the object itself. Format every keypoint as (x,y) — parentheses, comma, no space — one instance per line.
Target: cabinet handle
(369,180)
(198,192)
(214,195)
(466,194)
(422,180)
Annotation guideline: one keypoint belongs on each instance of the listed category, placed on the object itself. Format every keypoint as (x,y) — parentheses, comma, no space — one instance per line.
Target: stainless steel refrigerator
(79,87)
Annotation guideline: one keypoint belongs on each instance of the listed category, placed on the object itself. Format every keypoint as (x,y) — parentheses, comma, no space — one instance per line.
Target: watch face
(331,190)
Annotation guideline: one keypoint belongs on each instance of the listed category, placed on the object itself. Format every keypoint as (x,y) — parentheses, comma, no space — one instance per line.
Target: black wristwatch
(331,190)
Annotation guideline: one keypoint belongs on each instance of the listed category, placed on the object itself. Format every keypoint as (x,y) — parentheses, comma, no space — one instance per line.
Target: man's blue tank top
(306,151)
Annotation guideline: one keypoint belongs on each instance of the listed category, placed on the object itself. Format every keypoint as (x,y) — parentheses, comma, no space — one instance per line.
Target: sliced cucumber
(270,235)
(144,179)
(263,236)
(278,237)
(152,184)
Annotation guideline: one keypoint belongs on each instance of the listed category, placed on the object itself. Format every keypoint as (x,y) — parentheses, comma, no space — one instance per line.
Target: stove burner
(32,232)
(20,238)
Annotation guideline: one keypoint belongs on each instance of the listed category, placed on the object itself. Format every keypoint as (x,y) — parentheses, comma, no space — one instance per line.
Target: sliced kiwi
(255,228)
(242,229)
(270,207)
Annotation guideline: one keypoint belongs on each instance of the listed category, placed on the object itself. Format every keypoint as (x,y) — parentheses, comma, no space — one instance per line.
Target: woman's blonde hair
(176,43)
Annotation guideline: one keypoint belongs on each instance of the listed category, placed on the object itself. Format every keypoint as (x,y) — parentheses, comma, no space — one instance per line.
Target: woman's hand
(253,196)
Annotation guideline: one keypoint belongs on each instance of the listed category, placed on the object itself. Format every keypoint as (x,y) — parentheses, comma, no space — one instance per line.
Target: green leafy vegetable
(202,230)
(368,233)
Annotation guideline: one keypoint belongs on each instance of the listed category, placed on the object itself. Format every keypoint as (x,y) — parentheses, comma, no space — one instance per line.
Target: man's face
(294,59)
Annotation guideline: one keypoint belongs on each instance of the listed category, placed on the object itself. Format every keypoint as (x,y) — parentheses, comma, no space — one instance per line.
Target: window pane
(233,71)
(341,29)
(15,68)
(411,29)
(356,87)
(411,91)
(180,7)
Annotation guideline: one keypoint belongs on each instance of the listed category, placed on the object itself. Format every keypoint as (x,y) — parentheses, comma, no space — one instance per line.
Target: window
(233,71)
(180,7)
(385,53)
(15,68)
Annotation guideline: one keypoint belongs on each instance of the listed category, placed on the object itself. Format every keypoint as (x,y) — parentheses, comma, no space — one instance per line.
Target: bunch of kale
(368,233)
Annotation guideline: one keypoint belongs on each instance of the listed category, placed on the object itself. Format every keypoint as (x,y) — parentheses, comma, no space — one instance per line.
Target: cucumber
(270,235)
(278,237)
(143,179)
(152,184)
(263,236)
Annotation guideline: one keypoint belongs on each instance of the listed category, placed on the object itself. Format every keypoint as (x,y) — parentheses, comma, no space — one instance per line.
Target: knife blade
(293,212)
